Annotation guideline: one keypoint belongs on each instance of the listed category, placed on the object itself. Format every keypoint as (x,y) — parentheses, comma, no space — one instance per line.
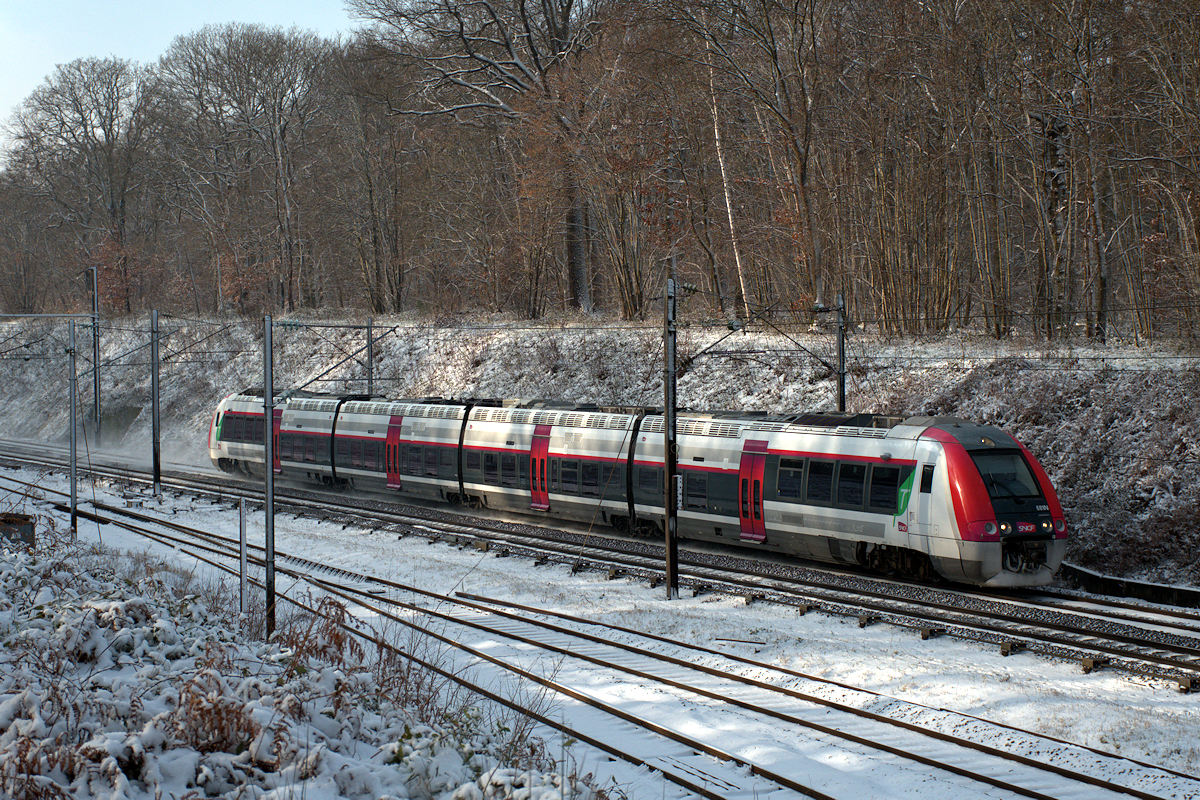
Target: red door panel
(750,491)
(391,452)
(539,497)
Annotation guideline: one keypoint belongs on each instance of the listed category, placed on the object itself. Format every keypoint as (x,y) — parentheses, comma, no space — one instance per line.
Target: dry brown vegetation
(1011,166)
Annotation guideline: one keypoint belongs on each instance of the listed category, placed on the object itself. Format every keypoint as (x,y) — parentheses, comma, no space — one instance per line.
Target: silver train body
(918,495)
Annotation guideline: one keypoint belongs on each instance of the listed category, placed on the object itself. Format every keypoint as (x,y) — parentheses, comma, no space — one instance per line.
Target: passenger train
(916,495)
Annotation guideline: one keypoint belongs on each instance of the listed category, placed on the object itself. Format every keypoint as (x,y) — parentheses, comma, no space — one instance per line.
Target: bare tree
(81,138)
(500,57)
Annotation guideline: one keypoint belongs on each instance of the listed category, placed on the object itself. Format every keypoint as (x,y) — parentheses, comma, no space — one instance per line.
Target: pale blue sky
(35,35)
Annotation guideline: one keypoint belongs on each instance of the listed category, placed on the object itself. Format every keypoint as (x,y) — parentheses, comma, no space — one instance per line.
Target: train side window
(522,471)
(648,480)
(370,455)
(589,479)
(431,461)
(695,490)
(310,449)
(508,469)
(791,478)
(614,482)
(819,487)
(851,482)
(471,460)
(217,426)
(356,454)
(927,478)
(447,458)
(884,494)
(412,459)
(491,468)
(554,482)
(570,476)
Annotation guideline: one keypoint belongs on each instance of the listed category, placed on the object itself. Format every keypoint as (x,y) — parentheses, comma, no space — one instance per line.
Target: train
(921,496)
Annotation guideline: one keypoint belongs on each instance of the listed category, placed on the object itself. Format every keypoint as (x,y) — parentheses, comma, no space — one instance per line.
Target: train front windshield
(1009,481)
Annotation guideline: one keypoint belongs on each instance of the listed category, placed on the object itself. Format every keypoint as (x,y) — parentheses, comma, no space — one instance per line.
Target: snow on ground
(1115,426)
(1140,718)
(128,677)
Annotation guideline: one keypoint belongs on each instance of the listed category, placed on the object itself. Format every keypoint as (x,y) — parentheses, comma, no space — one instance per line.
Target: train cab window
(431,461)
(217,426)
(508,469)
(570,477)
(471,460)
(884,494)
(695,490)
(851,482)
(791,478)
(819,487)
(491,468)
(927,479)
(589,479)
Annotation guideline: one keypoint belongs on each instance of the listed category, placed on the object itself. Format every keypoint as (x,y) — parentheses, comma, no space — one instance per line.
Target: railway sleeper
(1187,684)
(1009,647)
(931,633)
(1090,663)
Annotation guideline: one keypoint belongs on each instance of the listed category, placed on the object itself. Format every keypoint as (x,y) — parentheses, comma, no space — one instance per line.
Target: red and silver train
(920,495)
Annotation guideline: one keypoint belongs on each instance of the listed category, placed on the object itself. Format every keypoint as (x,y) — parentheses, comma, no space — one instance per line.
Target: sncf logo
(1026,527)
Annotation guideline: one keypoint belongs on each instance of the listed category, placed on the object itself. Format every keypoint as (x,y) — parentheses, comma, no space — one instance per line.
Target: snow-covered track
(1096,633)
(492,639)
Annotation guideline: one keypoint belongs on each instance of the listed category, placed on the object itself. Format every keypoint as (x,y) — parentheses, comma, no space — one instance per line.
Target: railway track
(802,735)
(1091,631)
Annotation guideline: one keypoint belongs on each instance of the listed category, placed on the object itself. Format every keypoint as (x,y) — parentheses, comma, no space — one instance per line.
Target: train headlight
(1047,525)
(1005,527)
(989,528)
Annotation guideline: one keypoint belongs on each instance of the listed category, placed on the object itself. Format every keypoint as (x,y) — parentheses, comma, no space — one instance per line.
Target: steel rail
(876,601)
(354,595)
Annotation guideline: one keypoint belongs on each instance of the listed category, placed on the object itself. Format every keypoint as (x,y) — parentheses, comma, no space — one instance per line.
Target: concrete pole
(96,350)
(841,311)
(154,418)
(74,400)
(269,470)
(370,357)
(670,451)
(244,594)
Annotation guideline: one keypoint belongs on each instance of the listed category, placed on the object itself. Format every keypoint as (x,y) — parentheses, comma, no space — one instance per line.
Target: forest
(1017,168)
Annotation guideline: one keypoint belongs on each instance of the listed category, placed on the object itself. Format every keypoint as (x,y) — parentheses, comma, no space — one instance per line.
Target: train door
(539,496)
(277,420)
(391,452)
(750,490)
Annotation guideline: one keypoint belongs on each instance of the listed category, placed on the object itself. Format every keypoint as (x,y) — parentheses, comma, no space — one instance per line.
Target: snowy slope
(1115,427)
